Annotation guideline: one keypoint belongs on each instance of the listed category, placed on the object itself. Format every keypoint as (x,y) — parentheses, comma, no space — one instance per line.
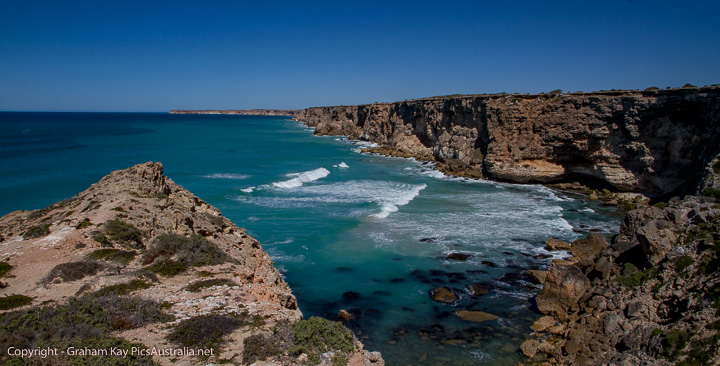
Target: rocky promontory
(138,264)
(655,142)
(243,112)
(651,296)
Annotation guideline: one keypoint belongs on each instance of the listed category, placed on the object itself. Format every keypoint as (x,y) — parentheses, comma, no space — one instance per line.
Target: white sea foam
(302,178)
(389,204)
(341,165)
(226,176)
(248,190)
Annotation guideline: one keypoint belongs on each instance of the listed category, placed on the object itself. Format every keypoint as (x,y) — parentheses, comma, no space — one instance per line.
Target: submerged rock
(475,316)
(458,256)
(443,294)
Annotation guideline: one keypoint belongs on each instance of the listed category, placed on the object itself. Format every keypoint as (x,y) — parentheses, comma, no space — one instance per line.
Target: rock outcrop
(161,268)
(654,142)
(650,298)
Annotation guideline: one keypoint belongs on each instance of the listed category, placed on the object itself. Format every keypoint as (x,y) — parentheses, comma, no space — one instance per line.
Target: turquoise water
(368,234)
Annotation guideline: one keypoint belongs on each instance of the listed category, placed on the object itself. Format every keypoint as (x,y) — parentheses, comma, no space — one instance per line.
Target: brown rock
(458,256)
(537,276)
(475,316)
(557,244)
(591,246)
(530,347)
(478,289)
(563,287)
(543,323)
(443,294)
(344,315)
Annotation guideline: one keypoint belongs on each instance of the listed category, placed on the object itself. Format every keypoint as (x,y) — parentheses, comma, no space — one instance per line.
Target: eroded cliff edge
(138,262)
(655,142)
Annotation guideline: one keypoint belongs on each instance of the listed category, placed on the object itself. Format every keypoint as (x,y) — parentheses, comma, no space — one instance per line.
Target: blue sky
(159,55)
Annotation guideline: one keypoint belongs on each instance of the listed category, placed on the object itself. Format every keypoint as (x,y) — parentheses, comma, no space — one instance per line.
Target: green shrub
(204,331)
(14,301)
(259,348)
(122,288)
(167,268)
(36,232)
(83,224)
(4,268)
(73,271)
(191,251)
(317,336)
(683,263)
(113,255)
(124,233)
(716,167)
(661,205)
(215,220)
(711,192)
(632,277)
(673,343)
(199,285)
(84,322)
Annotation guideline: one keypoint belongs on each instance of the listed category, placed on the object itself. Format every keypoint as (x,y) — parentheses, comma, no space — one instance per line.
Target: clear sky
(108,55)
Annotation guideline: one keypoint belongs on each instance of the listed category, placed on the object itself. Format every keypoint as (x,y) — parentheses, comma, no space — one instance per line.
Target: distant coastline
(245,112)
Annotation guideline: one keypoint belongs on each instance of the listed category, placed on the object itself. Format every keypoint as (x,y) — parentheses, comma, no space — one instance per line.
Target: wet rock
(475,316)
(530,347)
(478,289)
(489,263)
(350,296)
(344,315)
(397,280)
(454,341)
(557,244)
(543,323)
(563,287)
(458,256)
(536,276)
(428,240)
(443,294)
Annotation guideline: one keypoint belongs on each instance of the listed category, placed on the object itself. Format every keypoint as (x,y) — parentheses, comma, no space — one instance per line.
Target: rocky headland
(244,112)
(137,262)
(649,297)
(655,142)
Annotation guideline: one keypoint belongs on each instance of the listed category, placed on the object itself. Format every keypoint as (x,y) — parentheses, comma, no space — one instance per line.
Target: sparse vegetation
(84,322)
(258,347)
(124,233)
(83,224)
(205,331)
(199,285)
(215,220)
(316,336)
(193,251)
(36,232)
(73,271)
(632,277)
(122,288)
(683,263)
(14,301)
(167,267)
(113,255)
(711,192)
(4,268)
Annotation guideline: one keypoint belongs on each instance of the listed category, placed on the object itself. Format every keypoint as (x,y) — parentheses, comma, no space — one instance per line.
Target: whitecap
(248,190)
(304,177)
(341,165)
(227,176)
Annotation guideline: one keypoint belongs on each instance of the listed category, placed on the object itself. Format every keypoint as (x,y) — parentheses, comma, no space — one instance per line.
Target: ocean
(363,233)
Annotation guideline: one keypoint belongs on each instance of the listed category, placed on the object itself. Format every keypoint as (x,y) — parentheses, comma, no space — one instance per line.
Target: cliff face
(654,142)
(137,258)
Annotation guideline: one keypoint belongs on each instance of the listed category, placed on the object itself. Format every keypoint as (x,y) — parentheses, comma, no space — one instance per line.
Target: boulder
(536,276)
(591,246)
(543,323)
(458,256)
(475,316)
(563,287)
(344,315)
(478,289)
(656,239)
(529,348)
(557,244)
(443,294)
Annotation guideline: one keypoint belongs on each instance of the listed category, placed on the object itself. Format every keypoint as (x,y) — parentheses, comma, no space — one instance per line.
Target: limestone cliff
(137,258)
(655,142)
